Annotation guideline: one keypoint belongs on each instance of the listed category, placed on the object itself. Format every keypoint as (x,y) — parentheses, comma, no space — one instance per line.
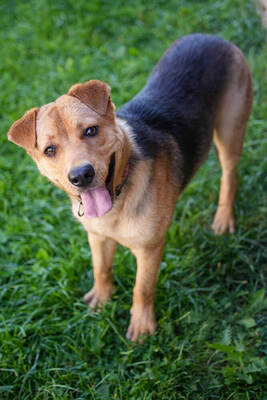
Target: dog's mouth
(110,176)
(97,201)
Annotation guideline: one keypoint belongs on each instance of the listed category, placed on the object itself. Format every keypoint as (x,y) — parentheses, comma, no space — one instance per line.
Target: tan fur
(95,94)
(23,131)
(228,137)
(140,217)
(262,9)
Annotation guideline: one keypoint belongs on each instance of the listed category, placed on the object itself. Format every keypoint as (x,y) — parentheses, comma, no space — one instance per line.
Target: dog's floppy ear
(23,131)
(95,94)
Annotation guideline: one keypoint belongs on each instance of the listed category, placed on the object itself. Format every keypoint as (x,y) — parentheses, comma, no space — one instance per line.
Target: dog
(124,171)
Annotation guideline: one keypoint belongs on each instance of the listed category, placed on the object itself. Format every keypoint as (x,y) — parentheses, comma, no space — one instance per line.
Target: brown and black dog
(124,172)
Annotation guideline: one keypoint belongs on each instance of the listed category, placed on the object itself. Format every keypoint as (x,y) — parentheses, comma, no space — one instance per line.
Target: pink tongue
(96,202)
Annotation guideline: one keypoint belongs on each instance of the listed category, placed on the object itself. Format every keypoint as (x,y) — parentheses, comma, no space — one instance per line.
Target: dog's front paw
(142,322)
(95,298)
(223,221)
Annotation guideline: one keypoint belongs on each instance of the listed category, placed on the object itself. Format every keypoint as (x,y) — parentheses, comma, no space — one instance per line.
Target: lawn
(211,338)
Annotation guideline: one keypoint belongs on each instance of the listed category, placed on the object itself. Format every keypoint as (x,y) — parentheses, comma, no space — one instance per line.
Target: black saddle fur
(180,99)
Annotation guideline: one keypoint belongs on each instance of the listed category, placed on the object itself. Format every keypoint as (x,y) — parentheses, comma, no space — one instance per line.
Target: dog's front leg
(143,318)
(103,250)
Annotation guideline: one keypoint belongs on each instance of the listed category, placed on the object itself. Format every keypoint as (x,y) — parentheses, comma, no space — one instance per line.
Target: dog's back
(180,99)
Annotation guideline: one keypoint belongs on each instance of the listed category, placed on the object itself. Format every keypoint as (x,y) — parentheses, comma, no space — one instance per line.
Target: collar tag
(81,209)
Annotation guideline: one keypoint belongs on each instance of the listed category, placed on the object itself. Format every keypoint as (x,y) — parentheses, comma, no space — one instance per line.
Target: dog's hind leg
(229,136)
(224,217)
(103,250)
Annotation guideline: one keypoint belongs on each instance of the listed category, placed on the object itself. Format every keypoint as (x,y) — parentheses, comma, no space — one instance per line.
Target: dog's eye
(91,131)
(50,151)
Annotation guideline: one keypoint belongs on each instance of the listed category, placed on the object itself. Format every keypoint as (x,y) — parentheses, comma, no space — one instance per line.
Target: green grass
(211,338)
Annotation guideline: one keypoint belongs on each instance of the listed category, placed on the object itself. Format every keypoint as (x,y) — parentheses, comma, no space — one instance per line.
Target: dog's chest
(127,226)
(127,230)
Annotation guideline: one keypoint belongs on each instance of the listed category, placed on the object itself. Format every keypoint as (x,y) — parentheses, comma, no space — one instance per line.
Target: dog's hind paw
(223,221)
(95,298)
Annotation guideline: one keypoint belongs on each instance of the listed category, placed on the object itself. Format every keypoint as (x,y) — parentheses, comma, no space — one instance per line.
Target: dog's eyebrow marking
(51,138)
(54,114)
(78,124)
(82,124)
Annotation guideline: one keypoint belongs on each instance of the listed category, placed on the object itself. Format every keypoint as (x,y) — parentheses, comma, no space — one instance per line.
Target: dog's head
(77,144)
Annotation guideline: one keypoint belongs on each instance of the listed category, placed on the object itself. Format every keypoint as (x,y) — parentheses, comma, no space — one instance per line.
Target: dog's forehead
(63,115)
(70,105)
(66,107)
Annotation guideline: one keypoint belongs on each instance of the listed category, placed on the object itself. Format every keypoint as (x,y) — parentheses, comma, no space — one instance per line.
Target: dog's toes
(223,221)
(136,331)
(142,324)
(222,227)
(95,299)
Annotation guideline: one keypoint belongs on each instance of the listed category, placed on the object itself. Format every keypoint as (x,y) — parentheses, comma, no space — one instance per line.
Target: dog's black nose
(82,176)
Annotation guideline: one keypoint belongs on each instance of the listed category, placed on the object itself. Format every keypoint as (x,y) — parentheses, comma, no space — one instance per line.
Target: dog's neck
(127,153)
(125,176)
